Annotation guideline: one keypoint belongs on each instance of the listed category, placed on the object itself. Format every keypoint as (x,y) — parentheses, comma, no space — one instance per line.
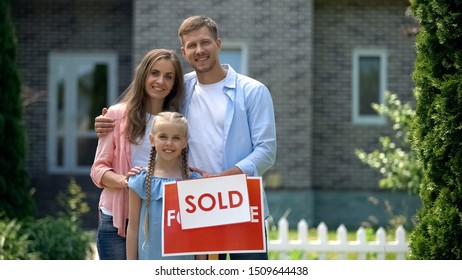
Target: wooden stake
(213,257)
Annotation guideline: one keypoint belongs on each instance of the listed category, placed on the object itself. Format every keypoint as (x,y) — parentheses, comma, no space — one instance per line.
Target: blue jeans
(111,246)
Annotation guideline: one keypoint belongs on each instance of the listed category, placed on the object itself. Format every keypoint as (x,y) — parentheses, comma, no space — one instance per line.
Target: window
(80,85)
(234,54)
(369,84)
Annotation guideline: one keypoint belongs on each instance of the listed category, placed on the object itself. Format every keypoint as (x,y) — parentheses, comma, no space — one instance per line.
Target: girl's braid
(184,162)
(150,173)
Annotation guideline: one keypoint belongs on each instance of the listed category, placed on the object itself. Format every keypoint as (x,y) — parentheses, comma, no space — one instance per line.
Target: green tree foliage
(436,134)
(15,193)
(396,161)
(72,202)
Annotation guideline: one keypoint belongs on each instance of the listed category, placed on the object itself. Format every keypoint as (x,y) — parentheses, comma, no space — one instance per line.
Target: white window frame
(357,54)
(70,164)
(242,47)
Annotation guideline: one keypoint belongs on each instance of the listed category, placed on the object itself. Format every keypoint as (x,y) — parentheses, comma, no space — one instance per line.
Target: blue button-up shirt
(249,127)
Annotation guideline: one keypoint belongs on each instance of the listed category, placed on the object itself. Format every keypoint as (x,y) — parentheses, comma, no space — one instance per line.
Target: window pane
(92,93)
(60,88)
(369,84)
(60,152)
(231,57)
(92,96)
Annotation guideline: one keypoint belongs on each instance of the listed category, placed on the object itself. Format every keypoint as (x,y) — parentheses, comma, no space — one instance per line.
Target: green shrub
(396,161)
(62,237)
(437,129)
(58,239)
(13,243)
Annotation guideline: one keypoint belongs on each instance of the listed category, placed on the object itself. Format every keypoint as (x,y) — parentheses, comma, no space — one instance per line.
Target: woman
(157,86)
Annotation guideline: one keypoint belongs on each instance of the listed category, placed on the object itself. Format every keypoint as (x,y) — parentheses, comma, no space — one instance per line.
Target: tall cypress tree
(437,129)
(15,193)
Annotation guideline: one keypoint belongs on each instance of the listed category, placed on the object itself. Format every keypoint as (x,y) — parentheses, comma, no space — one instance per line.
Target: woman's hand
(135,170)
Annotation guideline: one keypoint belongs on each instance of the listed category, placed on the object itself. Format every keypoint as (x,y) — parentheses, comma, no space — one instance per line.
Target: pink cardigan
(114,153)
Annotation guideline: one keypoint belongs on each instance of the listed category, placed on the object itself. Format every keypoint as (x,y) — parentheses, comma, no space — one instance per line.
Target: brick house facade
(303,50)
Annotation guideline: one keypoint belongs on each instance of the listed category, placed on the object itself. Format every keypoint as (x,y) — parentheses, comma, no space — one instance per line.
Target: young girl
(168,161)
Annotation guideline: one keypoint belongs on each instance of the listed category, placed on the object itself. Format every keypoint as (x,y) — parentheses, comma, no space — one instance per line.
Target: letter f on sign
(170,217)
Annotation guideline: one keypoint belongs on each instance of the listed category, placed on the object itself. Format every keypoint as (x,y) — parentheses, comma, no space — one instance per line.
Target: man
(231,116)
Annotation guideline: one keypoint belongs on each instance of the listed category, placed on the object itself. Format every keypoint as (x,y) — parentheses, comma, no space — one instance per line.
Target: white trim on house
(242,49)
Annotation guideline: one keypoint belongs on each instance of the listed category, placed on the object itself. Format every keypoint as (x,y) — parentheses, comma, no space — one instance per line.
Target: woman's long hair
(137,99)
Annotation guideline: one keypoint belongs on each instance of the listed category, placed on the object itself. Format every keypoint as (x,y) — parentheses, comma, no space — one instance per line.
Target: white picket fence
(341,246)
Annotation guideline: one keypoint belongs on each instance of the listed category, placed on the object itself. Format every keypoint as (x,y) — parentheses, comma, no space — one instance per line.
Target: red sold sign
(231,238)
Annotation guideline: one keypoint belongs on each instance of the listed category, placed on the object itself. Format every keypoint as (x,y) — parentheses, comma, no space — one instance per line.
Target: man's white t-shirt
(141,151)
(206,122)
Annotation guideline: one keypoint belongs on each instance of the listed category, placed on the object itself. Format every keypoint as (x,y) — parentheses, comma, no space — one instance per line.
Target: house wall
(278,35)
(43,26)
(342,184)
(301,49)
(343,190)
(341,27)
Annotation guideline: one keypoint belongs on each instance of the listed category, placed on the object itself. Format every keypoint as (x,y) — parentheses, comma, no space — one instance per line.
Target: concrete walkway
(93,256)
